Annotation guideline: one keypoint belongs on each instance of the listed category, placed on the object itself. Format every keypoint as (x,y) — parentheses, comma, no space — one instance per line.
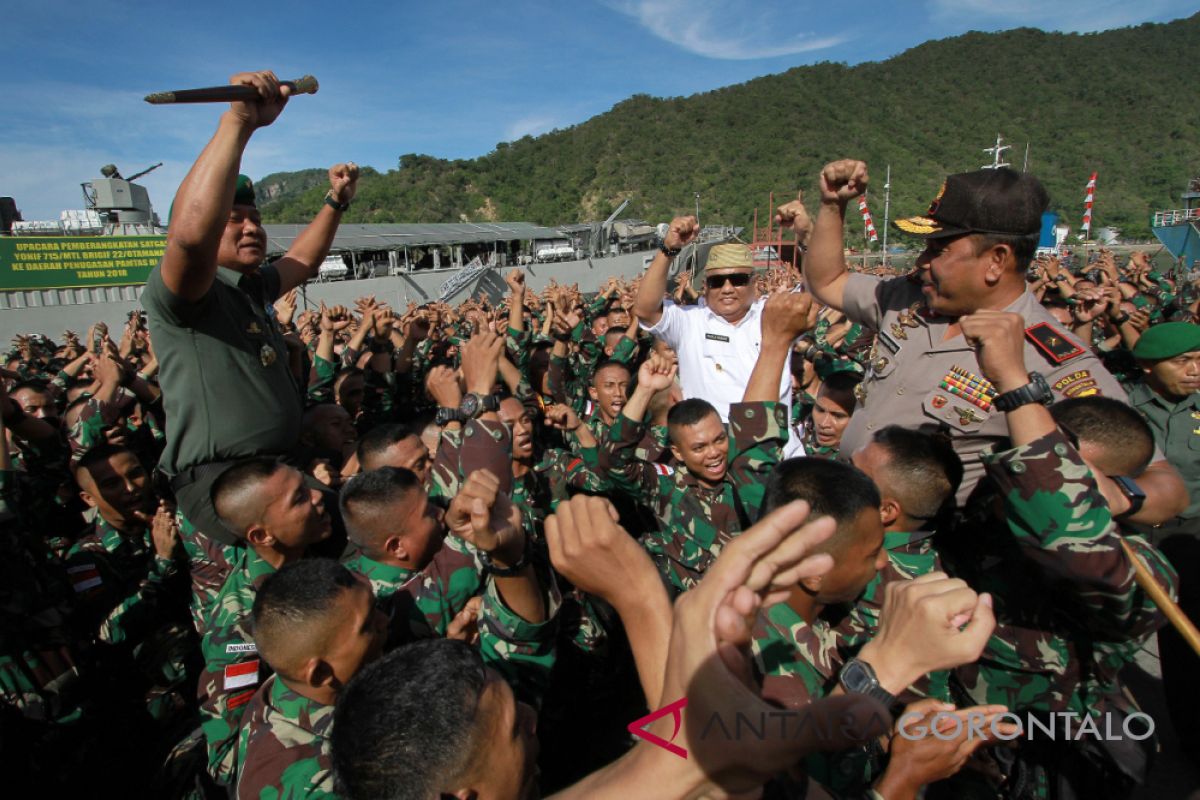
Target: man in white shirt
(718,339)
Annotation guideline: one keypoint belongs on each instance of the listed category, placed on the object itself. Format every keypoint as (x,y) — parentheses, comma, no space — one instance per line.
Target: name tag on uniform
(716,337)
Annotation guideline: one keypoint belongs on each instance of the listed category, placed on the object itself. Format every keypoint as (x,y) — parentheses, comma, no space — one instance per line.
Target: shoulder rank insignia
(1053,344)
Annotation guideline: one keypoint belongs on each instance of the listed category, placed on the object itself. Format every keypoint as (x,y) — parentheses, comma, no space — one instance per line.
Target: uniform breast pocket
(957,412)
(718,352)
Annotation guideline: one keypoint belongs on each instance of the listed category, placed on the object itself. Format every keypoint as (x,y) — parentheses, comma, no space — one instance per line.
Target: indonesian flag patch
(84,577)
(240,675)
(663,469)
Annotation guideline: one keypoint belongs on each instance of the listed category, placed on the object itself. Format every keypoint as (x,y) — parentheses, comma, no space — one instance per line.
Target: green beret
(243,195)
(1167,341)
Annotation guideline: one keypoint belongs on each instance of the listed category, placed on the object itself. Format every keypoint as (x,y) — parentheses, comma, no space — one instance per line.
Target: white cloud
(530,125)
(723,29)
(1079,16)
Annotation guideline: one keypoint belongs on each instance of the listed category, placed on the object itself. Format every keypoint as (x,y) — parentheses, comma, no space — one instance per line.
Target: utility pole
(887,202)
(997,152)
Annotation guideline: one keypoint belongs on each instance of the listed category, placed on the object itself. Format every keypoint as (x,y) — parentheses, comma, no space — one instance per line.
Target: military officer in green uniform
(227,389)
(1169,400)
(981,233)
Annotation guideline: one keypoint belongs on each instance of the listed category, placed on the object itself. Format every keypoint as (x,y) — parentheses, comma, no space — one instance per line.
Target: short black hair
(1111,425)
(375,441)
(1024,247)
(99,454)
(608,363)
(689,412)
(926,470)
(234,494)
(831,488)
(290,599)
(403,727)
(369,491)
(34,384)
(843,382)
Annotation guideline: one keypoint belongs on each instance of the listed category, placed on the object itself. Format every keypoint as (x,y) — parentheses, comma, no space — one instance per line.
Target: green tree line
(1118,103)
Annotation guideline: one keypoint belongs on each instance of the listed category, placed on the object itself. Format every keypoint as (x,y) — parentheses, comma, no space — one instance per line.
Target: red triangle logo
(638,727)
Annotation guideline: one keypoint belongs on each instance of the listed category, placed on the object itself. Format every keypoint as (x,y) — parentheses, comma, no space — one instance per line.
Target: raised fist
(682,231)
(842,181)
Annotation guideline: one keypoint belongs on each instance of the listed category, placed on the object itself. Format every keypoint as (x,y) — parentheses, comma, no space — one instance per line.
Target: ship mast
(997,153)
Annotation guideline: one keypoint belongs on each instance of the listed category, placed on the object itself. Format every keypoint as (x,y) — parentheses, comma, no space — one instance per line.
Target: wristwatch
(669,252)
(858,677)
(333,203)
(1130,489)
(445,416)
(474,404)
(1036,391)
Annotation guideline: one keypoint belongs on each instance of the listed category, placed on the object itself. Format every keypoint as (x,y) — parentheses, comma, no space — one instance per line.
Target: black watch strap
(334,204)
(1036,391)
(446,415)
(669,252)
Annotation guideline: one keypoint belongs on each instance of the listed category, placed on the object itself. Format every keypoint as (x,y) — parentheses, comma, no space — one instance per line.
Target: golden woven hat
(729,256)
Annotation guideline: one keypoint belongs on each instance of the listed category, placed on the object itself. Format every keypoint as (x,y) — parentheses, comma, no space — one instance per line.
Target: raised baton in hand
(229,93)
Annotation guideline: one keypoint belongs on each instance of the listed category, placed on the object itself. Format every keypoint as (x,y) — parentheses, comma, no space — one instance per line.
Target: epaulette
(1053,343)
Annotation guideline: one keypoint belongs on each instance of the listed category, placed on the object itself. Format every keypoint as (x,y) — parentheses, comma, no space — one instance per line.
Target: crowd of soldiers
(262,550)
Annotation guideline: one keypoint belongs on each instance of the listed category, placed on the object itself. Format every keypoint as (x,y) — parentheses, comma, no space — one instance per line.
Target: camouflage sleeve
(1061,522)
(625,351)
(523,652)
(443,477)
(758,432)
(428,600)
(94,417)
(289,761)
(556,380)
(320,381)
(232,673)
(619,464)
(115,615)
(517,344)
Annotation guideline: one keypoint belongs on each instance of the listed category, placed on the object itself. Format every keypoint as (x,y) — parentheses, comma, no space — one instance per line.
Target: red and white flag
(240,675)
(867,221)
(1087,205)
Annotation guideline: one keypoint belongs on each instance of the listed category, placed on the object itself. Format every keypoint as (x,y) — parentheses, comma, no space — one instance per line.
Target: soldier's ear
(394,547)
(256,534)
(592,393)
(812,585)
(317,672)
(678,455)
(889,511)
(87,498)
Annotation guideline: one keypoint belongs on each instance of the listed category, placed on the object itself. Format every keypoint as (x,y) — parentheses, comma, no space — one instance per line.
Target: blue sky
(450,79)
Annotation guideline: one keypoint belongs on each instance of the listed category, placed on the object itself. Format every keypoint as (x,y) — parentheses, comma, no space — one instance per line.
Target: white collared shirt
(716,358)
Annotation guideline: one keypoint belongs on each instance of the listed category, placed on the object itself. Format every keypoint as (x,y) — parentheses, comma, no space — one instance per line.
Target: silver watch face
(856,677)
(470,405)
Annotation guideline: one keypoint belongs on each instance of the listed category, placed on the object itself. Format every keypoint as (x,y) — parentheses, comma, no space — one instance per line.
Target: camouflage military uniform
(232,668)
(522,652)
(133,602)
(283,747)
(1070,613)
(423,602)
(697,520)
(209,565)
(910,555)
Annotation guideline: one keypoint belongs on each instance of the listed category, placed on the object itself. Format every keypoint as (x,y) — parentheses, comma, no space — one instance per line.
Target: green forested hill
(1121,103)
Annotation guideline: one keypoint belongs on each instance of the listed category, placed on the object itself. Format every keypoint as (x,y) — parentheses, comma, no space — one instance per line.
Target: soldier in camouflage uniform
(315,625)
(278,517)
(401,547)
(1069,610)
(130,591)
(719,489)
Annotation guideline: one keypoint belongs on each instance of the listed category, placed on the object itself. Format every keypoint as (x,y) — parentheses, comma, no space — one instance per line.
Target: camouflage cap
(1167,341)
(729,256)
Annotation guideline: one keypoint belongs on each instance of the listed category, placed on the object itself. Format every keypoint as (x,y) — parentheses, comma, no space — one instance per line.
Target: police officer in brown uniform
(981,233)
(227,390)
